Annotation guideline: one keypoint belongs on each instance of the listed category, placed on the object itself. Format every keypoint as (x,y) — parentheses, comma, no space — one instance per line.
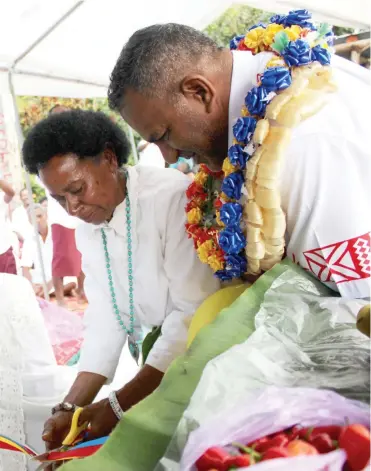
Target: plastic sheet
(272,410)
(305,337)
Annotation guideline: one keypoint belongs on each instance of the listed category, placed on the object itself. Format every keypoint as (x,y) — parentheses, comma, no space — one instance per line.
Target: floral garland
(234,217)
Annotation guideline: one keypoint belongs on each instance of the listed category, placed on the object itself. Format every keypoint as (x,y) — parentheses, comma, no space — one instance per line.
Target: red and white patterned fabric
(345,261)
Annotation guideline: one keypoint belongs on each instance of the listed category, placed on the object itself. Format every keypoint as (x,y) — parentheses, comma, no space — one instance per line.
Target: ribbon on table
(82,450)
(7,443)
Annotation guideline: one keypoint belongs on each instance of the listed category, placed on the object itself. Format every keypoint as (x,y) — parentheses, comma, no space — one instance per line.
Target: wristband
(115,405)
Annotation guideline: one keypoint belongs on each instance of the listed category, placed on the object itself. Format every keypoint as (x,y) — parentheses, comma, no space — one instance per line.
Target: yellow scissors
(74,436)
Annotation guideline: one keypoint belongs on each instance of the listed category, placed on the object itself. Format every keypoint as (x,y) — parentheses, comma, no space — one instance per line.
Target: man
(30,261)
(7,260)
(20,221)
(44,203)
(190,96)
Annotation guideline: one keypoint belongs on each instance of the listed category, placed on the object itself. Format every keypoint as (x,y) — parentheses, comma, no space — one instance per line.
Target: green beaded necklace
(133,345)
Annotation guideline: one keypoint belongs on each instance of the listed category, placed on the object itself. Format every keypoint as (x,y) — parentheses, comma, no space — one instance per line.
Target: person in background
(7,260)
(150,155)
(31,268)
(20,221)
(185,166)
(58,108)
(44,202)
(66,257)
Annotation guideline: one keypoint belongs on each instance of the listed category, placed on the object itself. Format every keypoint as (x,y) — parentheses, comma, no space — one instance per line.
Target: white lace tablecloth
(11,365)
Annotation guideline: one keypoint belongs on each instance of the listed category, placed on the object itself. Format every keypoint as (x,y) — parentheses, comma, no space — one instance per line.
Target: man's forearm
(144,383)
(27,274)
(85,388)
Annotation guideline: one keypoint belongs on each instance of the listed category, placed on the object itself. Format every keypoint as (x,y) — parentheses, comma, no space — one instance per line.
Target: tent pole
(19,135)
(133,146)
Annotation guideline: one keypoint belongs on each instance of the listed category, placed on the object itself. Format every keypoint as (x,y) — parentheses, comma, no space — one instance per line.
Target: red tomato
(355,440)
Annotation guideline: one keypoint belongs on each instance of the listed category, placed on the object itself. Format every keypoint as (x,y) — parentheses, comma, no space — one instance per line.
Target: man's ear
(200,89)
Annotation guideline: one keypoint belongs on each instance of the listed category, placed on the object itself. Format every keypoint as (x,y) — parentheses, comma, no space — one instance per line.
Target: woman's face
(89,189)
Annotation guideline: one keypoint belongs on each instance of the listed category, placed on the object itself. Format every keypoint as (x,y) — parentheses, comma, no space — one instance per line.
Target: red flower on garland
(218,174)
(242,46)
(194,203)
(197,233)
(195,190)
(218,203)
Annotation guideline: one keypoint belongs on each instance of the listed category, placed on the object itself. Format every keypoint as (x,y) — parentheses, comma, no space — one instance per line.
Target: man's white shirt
(325,179)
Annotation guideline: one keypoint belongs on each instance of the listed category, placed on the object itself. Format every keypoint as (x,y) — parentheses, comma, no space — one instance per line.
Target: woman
(140,267)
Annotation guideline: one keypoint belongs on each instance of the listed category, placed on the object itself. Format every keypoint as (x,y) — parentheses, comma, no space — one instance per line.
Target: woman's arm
(101,416)
(85,388)
(82,392)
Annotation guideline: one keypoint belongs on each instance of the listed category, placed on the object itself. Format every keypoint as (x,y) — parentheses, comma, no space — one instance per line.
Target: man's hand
(39,290)
(8,190)
(101,418)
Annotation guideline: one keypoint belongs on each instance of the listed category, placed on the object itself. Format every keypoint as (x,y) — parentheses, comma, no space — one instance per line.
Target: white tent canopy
(69,47)
(86,40)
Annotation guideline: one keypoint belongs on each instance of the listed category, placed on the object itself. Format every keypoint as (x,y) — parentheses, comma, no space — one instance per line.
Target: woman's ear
(198,89)
(109,157)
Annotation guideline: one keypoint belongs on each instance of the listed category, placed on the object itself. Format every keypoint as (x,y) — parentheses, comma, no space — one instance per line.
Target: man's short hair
(151,58)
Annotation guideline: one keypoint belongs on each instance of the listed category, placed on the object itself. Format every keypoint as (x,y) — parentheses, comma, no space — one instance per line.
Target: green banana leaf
(142,436)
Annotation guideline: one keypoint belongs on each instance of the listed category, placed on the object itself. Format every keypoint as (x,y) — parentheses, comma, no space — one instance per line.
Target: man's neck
(43,233)
(226,80)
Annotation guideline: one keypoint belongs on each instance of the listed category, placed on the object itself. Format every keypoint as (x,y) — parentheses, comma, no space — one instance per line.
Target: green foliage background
(238,18)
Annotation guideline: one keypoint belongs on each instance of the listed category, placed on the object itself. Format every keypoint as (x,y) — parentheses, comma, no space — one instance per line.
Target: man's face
(24,198)
(185,127)
(41,219)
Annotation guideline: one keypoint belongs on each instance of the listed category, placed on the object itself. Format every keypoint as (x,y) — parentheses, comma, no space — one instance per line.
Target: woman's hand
(101,418)
(56,429)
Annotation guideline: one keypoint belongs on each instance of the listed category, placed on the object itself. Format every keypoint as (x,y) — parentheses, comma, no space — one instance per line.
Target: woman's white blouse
(169,280)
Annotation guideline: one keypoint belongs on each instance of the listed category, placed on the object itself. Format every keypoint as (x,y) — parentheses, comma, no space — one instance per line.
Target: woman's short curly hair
(83,133)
